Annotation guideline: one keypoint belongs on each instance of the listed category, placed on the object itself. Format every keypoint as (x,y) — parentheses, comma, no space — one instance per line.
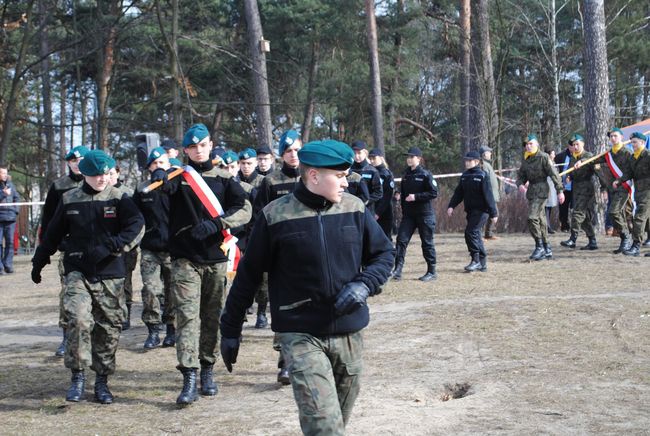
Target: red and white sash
(214,208)
(617,173)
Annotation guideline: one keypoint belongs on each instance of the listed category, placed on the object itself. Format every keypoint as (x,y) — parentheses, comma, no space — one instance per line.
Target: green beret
(531,137)
(576,137)
(614,129)
(247,153)
(195,134)
(326,154)
(229,157)
(287,139)
(175,162)
(155,154)
(638,135)
(77,152)
(96,163)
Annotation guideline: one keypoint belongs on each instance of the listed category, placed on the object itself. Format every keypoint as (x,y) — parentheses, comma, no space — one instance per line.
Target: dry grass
(556,347)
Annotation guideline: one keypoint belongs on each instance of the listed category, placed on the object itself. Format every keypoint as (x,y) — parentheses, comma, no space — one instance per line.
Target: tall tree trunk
(83,98)
(477,113)
(177,114)
(595,74)
(105,71)
(375,80)
(12,101)
(46,90)
(63,111)
(261,87)
(311,85)
(465,75)
(394,87)
(556,134)
(489,108)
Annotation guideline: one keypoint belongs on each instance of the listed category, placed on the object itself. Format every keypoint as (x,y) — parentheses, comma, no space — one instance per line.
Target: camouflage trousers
(156,271)
(63,322)
(95,312)
(197,296)
(641,215)
(325,377)
(583,213)
(537,219)
(131,261)
(262,295)
(617,211)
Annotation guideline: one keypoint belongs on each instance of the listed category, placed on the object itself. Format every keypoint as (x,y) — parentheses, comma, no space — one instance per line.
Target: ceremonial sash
(616,172)
(211,204)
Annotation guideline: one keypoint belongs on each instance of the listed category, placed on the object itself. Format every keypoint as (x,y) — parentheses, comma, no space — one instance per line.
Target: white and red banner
(214,208)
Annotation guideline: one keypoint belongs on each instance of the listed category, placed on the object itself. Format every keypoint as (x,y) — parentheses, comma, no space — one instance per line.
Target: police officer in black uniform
(369,175)
(384,207)
(475,192)
(417,190)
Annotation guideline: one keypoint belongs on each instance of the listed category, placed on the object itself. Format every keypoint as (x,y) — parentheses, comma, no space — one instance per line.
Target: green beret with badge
(247,153)
(287,139)
(327,153)
(155,154)
(77,152)
(229,157)
(96,163)
(195,134)
(638,135)
(576,137)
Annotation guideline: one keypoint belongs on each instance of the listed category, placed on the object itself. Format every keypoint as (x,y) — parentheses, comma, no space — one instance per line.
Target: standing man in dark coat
(369,175)
(8,216)
(475,191)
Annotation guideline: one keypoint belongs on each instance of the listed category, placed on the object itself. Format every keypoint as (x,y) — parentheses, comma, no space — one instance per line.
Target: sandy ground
(552,347)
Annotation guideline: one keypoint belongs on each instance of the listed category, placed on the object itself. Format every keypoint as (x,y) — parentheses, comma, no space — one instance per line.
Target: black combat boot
(60,351)
(208,386)
(474,264)
(633,250)
(571,242)
(647,254)
(170,336)
(538,253)
(189,393)
(102,394)
(283,374)
(78,383)
(430,274)
(626,242)
(646,243)
(548,253)
(261,322)
(592,245)
(153,339)
(397,272)
(127,323)
(483,267)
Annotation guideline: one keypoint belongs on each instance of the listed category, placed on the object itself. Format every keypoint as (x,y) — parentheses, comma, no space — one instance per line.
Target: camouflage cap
(96,163)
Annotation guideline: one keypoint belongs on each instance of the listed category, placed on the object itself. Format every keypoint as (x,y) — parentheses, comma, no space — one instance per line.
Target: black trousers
(426,225)
(474,233)
(386,223)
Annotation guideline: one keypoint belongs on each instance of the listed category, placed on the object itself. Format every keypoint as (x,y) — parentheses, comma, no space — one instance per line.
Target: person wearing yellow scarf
(584,196)
(532,179)
(640,172)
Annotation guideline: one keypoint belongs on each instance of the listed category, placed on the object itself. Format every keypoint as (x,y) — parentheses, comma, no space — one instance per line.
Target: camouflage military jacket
(639,170)
(622,159)
(535,170)
(583,177)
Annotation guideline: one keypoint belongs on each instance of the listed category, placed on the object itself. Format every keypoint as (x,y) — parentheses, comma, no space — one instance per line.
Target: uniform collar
(75,177)
(201,167)
(309,199)
(289,172)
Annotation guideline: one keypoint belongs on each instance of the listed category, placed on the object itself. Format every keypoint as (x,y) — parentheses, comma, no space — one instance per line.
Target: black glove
(352,296)
(114,244)
(39,261)
(206,228)
(159,175)
(229,351)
